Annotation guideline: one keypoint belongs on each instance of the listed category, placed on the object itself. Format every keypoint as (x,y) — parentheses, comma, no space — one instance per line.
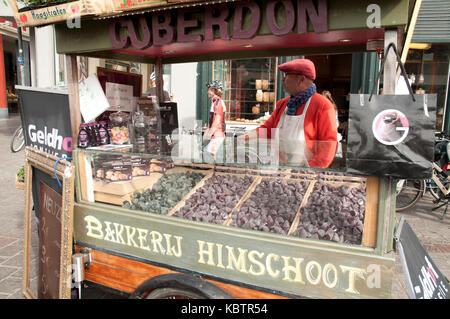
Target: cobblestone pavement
(11,217)
(431,230)
(433,233)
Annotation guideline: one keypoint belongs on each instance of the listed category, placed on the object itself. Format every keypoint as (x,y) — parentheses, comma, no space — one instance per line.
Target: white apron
(292,137)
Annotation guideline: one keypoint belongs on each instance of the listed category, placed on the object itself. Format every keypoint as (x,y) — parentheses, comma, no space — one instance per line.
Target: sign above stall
(245,19)
(57,11)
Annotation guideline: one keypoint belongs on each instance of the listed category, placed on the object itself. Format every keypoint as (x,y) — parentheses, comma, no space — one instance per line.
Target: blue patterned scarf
(296,101)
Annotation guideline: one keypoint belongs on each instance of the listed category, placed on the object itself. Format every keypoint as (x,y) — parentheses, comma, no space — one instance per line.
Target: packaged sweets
(103,133)
(117,171)
(140,166)
(84,136)
(119,128)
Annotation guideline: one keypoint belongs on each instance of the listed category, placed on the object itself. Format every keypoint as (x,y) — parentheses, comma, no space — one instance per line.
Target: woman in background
(216,127)
(327,94)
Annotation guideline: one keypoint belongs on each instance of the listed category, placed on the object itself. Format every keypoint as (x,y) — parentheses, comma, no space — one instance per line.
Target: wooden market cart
(146,254)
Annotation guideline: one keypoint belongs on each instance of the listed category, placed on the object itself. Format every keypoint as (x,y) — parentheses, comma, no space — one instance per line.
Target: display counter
(299,232)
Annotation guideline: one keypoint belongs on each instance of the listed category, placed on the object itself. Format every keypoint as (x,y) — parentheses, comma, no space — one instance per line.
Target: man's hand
(243,137)
(282,158)
(207,135)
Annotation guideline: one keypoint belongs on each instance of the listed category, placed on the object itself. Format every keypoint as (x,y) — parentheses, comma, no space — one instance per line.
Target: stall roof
(349,24)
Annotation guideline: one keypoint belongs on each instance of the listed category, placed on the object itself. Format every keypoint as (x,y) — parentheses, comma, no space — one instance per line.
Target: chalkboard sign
(55,225)
(50,205)
(423,278)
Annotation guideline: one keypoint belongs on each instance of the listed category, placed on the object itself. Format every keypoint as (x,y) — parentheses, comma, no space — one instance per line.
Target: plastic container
(95,135)
(84,136)
(104,133)
(120,133)
(140,133)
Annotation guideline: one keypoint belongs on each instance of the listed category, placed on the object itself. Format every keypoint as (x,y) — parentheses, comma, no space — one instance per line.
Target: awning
(433,22)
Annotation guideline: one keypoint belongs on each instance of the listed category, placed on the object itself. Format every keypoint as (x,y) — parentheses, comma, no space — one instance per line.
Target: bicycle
(443,192)
(409,192)
(18,140)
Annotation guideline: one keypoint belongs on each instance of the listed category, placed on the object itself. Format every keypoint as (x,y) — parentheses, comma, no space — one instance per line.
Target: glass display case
(250,88)
(305,203)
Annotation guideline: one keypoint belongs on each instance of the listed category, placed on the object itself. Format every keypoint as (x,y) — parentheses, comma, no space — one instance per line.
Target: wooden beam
(390,81)
(74,98)
(371,215)
(411,28)
(390,66)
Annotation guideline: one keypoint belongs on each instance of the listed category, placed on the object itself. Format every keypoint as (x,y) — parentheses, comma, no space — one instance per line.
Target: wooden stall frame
(65,172)
(380,220)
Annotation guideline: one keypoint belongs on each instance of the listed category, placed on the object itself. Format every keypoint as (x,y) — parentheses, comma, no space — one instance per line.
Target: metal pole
(20,60)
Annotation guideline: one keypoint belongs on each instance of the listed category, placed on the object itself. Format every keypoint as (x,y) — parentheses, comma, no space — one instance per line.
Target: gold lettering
(109,233)
(156,241)
(130,235)
(239,262)
(202,251)
(170,249)
(119,231)
(269,268)
(252,259)
(296,269)
(94,227)
(325,278)
(351,277)
(219,256)
(142,237)
(309,274)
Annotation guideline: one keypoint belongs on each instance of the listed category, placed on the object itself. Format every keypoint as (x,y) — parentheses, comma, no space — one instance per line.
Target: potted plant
(20,178)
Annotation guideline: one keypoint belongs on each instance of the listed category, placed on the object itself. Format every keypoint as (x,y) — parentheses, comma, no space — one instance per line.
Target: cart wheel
(174,293)
(178,286)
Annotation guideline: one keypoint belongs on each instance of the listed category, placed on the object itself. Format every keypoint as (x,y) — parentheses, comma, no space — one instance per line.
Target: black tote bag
(392,135)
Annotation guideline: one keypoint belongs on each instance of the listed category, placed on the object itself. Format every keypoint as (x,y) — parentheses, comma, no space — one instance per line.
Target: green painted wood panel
(317,269)
(342,15)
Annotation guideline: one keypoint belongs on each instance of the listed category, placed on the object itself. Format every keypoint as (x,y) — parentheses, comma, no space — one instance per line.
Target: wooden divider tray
(118,192)
(294,220)
(277,214)
(334,211)
(214,199)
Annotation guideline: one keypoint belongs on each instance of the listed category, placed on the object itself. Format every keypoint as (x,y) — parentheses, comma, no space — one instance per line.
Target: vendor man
(306,121)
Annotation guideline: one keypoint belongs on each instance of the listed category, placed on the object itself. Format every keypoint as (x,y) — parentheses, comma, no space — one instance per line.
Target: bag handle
(402,67)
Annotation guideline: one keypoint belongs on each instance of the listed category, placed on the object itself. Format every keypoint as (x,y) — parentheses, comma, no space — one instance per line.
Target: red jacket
(320,128)
(218,124)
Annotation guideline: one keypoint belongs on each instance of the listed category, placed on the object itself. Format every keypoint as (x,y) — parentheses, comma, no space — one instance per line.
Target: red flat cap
(300,66)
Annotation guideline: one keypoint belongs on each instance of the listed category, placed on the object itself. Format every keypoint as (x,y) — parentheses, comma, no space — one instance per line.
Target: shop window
(429,73)
(249,88)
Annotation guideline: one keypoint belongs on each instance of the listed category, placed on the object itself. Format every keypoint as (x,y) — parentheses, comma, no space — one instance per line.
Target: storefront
(14,66)
(250,229)
(428,60)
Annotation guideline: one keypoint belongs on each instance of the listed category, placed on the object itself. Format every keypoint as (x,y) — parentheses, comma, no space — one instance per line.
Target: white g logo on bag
(390,127)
